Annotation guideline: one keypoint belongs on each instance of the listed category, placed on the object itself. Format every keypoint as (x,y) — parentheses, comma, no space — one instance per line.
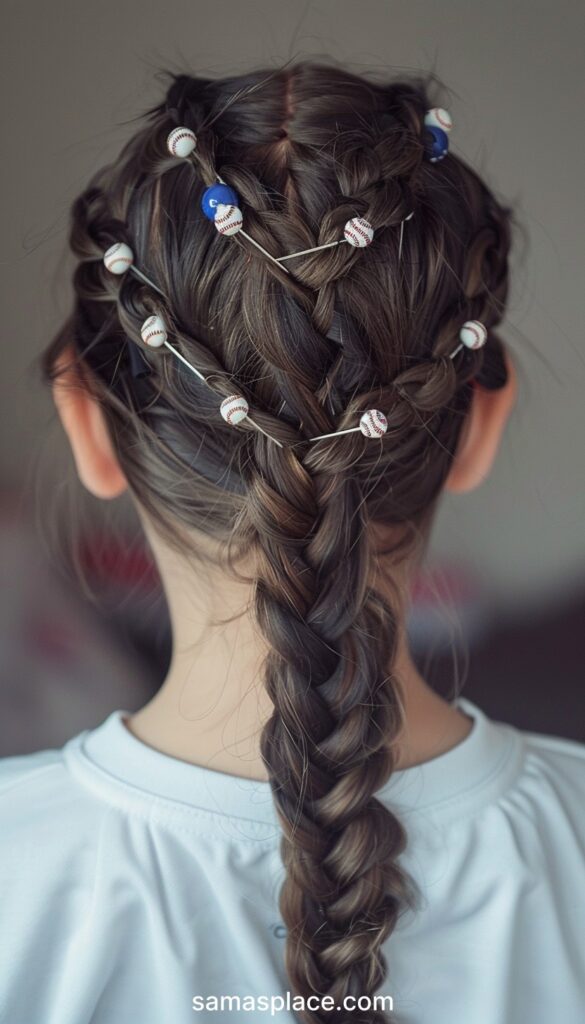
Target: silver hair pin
(357,231)
(119,258)
(402,223)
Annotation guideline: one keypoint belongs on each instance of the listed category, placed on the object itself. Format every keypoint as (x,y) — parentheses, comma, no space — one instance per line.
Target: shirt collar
(116,762)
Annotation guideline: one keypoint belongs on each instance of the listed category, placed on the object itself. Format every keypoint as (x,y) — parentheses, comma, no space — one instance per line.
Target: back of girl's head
(348,329)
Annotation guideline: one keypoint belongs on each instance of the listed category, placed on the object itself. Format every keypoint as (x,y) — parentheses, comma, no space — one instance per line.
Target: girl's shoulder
(554,770)
(35,789)
(29,770)
(567,754)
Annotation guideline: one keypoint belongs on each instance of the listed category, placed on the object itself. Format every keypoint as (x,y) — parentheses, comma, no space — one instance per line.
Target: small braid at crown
(219,203)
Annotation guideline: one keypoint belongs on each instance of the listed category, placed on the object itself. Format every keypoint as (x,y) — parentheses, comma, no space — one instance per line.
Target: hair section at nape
(349,329)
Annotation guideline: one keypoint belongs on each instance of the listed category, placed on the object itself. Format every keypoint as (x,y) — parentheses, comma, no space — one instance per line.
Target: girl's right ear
(85,425)
(482,433)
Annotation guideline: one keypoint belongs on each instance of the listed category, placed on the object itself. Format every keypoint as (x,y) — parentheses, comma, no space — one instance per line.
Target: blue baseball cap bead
(214,195)
(436,143)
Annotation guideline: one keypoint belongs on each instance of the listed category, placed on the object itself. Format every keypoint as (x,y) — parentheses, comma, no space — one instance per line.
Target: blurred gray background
(74,75)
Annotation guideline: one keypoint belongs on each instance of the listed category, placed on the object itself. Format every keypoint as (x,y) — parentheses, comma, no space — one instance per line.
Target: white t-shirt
(135,887)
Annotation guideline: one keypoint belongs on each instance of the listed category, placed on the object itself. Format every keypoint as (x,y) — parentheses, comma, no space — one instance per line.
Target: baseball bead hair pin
(220,204)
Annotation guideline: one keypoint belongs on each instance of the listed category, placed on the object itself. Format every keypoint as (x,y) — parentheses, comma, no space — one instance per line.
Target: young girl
(296,826)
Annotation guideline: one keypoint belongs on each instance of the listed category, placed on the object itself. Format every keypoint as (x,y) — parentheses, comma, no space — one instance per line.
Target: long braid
(330,742)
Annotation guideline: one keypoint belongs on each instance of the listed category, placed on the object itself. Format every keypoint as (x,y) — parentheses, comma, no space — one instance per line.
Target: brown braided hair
(305,147)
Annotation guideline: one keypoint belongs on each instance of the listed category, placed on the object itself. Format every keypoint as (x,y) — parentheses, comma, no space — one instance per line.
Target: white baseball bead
(439,118)
(234,409)
(154,331)
(359,232)
(118,258)
(473,334)
(228,219)
(181,142)
(373,423)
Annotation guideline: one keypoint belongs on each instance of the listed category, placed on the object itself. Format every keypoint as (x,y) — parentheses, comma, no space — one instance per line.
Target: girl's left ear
(84,423)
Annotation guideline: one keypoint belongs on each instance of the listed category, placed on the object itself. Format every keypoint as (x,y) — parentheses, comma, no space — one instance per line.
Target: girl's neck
(212,705)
